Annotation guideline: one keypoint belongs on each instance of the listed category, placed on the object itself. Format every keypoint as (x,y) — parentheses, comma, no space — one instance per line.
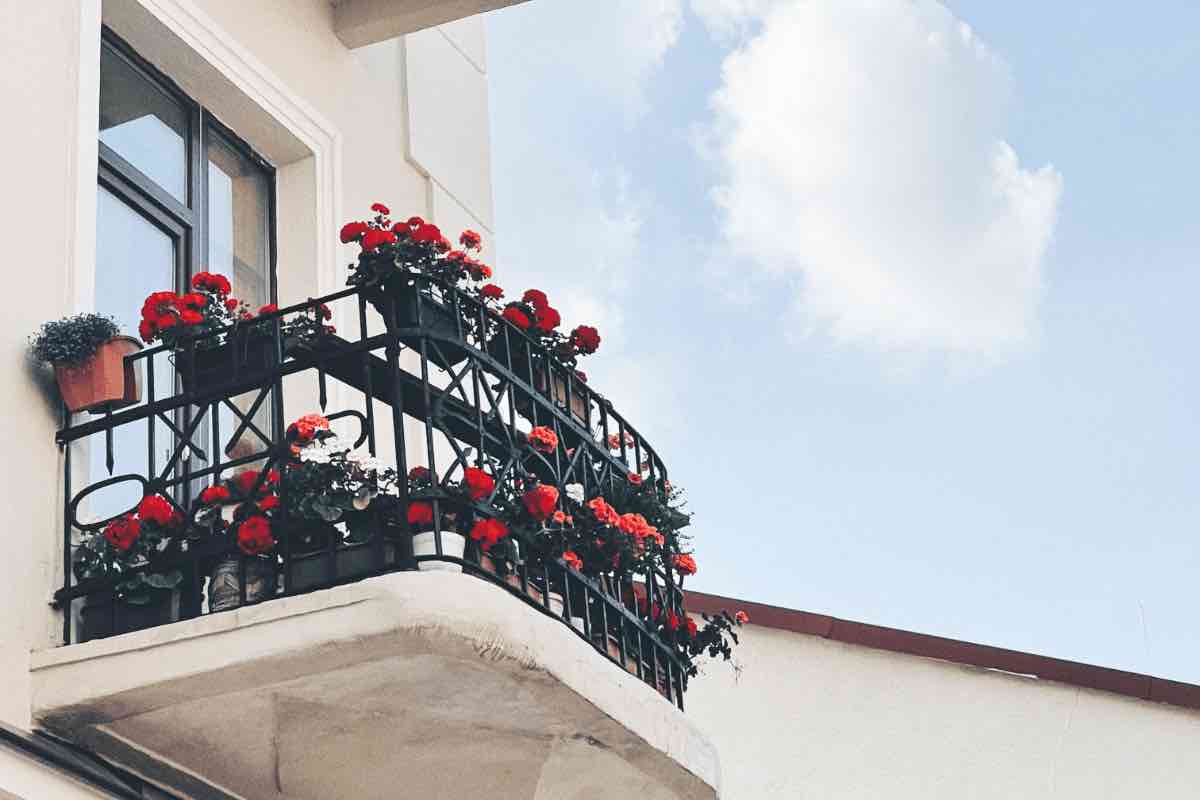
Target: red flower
(581,376)
(323,312)
(559,517)
(517,317)
(634,478)
(156,509)
(353,231)
(211,282)
(420,513)
(672,620)
(691,627)
(245,481)
(604,513)
(232,303)
(401,230)
(254,536)
(122,532)
(269,502)
(456,255)
(442,245)
(269,308)
(193,301)
(470,240)
(426,233)
(546,318)
(543,439)
(380,208)
(478,483)
(685,564)
(304,429)
(146,330)
(536,298)
(375,237)
(572,560)
(488,532)
(418,473)
(491,292)
(189,317)
(742,617)
(214,495)
(540,501)
(415,222)
(585,339)
(485,272)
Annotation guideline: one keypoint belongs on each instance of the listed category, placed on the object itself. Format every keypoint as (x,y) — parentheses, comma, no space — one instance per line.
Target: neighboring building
(151,140)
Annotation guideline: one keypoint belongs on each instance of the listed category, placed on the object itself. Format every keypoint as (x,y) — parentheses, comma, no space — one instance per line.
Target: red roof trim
(1130,684)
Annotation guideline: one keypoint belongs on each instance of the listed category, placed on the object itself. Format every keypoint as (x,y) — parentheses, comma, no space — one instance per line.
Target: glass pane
(146,126)
(239,249)
(133,259)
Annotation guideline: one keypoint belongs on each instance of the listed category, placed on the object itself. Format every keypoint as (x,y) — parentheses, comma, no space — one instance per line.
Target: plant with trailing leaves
(127,547)
(72,340)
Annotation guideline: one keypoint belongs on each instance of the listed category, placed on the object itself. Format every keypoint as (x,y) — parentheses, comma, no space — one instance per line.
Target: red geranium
(245,481)
(546,318)
(426,233)
(491,292)
(122,532)
(156,509)
(691,626)
(543,439)
(585,339)
(212,282)
(375,237)
(672,620)
(478,483)
(635,479)
(420,513)
(572,560)
(214,495)
(604,513)
(269,502)
(488,532)
(254,535)
(540,501)
(536,298)
(353,231)
(415,222)
(742,617)
(380,208)
(517,317)
(685,564)
(470,240)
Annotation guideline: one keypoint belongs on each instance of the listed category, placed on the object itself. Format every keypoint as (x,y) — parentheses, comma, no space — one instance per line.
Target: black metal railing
(434,356)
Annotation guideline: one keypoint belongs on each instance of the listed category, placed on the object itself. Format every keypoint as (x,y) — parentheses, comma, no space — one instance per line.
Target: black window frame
(186,224)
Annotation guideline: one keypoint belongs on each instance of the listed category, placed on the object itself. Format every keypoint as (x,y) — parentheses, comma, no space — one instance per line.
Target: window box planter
(436,318)
(536,377)
(245,352)
(104,382)
(105,615)
(320,557)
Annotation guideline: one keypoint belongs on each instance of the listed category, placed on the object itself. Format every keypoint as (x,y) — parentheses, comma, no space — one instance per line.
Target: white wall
(337,124)
(812,718)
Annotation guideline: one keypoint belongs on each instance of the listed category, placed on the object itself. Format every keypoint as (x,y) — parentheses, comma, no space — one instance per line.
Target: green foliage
(72,340)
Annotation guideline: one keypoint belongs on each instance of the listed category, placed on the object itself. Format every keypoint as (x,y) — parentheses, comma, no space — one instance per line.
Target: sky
(902,291)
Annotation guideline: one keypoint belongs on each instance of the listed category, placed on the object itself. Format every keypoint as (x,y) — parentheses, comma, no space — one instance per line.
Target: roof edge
(1073,673)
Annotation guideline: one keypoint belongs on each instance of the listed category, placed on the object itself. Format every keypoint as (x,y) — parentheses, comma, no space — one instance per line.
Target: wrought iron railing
(445,383)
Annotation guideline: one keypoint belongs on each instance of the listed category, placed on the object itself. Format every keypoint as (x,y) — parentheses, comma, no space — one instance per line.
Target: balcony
(391,646)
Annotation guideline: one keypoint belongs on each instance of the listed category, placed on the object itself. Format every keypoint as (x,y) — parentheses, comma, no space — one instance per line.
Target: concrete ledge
(466,649)
(362,22)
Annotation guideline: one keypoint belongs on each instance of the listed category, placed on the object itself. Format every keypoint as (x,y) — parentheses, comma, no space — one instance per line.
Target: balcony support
(362,22)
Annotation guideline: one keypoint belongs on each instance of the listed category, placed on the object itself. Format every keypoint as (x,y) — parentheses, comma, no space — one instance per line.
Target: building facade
(162,139)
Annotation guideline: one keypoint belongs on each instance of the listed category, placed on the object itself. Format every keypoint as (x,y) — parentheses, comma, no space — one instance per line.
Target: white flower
(575,491)
(316,455)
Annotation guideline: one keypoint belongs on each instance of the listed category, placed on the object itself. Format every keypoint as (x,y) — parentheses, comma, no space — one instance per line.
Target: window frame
(187,224)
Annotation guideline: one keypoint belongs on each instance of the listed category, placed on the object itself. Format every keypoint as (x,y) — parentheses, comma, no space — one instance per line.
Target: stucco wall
(284,56)
(811,718)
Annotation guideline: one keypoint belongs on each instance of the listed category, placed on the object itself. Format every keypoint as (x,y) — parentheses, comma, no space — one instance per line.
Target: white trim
(81,162)
(203,35)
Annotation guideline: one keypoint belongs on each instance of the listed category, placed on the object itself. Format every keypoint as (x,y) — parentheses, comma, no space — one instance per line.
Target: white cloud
(860,146)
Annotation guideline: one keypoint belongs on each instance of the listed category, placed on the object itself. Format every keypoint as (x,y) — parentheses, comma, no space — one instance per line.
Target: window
(178,193)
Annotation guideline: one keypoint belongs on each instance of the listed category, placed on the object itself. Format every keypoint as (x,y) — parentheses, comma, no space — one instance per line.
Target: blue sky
(902,291)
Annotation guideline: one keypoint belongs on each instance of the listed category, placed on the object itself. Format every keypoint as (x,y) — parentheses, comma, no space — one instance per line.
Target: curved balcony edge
(416,652)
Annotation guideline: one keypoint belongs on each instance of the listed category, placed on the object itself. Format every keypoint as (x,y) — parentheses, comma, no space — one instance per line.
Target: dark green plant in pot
(72,340)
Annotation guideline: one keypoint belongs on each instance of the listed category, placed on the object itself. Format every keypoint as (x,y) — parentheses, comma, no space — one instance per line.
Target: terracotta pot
(103,382)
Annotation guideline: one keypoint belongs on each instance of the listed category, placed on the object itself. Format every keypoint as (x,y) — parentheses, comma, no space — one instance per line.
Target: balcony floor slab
(423,685)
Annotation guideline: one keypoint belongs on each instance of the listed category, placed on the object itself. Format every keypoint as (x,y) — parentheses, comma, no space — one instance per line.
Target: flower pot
(453,545)
(317,569)
(104,616)
(225,581)
(244,353)
(104,382)
(553,601)
(436,319)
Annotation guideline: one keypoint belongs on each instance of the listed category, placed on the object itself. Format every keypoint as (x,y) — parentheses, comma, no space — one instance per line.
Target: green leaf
(168,581)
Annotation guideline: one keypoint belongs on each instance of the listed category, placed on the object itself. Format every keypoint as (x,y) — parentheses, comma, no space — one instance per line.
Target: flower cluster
(128,544)
(170,316)
(534,316)
(412,246)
